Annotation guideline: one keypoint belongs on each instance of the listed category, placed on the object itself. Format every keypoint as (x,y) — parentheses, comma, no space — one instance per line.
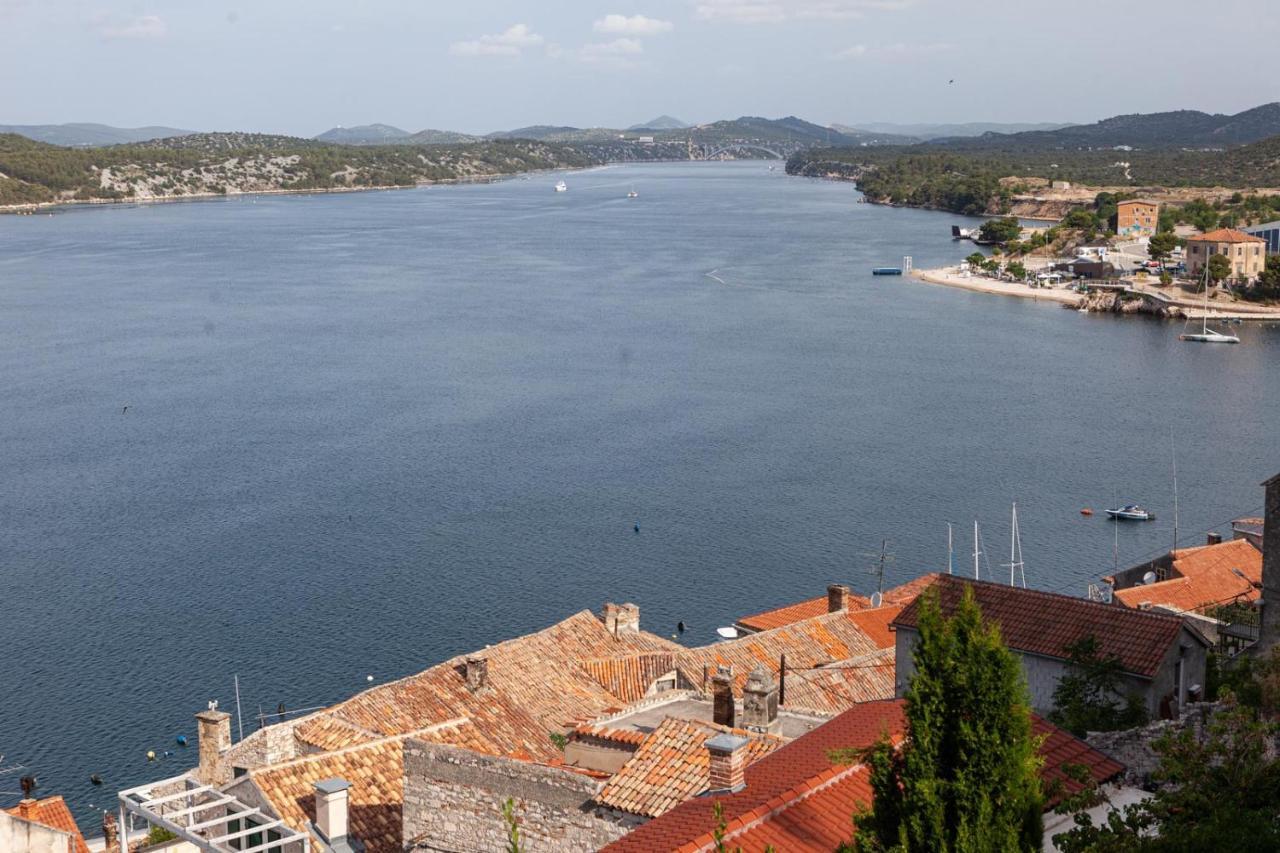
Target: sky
(302,66)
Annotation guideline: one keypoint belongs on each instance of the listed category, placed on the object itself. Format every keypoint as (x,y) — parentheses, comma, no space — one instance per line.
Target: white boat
(1131,512)
(562,187)
(1207,335)
(633,193)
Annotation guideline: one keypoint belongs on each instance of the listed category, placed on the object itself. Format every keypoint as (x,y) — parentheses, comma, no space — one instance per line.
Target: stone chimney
(760,701)
(1213,537)
(1269,634)
(331,810)
(837,598)
(621,618)
(213,728)
(728,754)
(477,673)
(722,710)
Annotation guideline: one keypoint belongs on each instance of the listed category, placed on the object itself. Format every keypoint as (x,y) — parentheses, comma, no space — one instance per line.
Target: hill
(1177,129)
(662,122)
(939,131)
(229,163)
(365,134)
(84,134)
(439,137)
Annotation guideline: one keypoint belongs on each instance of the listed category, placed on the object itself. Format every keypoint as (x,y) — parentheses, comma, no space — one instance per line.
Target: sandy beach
(953,277)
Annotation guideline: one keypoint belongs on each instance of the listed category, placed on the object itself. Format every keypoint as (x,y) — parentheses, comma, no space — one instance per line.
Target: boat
(1086,511)
(562,187)
(1207,335)
(887,271)
(1131,512)
(633,194)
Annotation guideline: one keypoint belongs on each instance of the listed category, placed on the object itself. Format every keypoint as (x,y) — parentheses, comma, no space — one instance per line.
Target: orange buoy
(1086,511)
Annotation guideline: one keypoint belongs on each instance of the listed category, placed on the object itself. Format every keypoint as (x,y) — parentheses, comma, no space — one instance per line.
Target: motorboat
(562,187)
(1131,512)
(887,271)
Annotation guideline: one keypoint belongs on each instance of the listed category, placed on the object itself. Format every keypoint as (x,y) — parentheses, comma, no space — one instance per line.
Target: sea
(303,444)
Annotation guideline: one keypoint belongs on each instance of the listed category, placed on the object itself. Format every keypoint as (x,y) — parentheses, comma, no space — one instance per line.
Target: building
(1163,657)
(1269,232)
(837,600)
(1249,528)
(1137,217)
(1247,253)
(40,826)
(1270,630)
(1194,579)
(800,798)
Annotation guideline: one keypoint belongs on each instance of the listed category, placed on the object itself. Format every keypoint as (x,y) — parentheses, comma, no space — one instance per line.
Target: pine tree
(967,778)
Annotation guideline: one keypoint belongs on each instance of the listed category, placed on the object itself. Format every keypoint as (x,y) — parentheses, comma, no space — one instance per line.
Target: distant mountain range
(663,122)
(385,134)
(1177,129)
(84,134)
(938,131)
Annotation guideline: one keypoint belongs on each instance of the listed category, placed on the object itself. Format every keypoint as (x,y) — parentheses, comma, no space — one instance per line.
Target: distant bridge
(740,146)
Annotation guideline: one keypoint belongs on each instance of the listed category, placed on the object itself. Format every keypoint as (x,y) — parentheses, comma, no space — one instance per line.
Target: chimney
(1269,633)
(331,810)
(728,754)
(213,728)
(477,673)
(621,618)
(837,598)
(760,701)
(110,832)
(722,710)
(1213,538)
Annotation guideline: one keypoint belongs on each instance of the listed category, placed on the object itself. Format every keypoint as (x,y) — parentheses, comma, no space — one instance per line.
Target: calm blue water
(366,432)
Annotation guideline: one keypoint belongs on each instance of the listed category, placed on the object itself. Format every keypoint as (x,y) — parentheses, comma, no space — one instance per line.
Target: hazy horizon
(300,68)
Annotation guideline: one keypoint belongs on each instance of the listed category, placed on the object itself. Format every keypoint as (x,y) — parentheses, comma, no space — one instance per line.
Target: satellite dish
(1149,578)
(876,599)
(727,633)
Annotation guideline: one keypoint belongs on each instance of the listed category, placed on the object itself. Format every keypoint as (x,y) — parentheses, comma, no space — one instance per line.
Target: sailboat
(632,193)
(562,187)
(1207,335)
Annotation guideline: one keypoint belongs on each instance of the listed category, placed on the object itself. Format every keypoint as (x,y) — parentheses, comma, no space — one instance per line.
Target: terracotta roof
(875,624)
(599,731)
(1045,623)
(1202,577)
(327,732)
(797,800)
(1145,201)
(778,617)
(671,765)
(1225,235)
(629,678)
(808,644)
(53,813)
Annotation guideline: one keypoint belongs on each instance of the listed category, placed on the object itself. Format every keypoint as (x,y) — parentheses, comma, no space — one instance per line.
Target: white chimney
(331,809)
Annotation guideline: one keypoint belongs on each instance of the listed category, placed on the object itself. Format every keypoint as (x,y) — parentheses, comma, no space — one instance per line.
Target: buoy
(637,527)
(182,740)
(95,779)
(680,626)
(151,755)
(1086,511)
(368,678)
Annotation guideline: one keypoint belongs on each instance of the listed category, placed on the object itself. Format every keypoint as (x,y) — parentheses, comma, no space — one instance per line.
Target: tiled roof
(629,678)
(1225,235)
(904,594)
(875,623)
(53,813)
(599,731)
(326,732)
(671,765)
(797,801)
(1145,201)
(780,616)
(538,683)
(1045,623)
(1204,576)
(808,645)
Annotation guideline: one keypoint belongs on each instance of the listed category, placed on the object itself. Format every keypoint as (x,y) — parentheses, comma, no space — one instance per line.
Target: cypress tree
(967,778)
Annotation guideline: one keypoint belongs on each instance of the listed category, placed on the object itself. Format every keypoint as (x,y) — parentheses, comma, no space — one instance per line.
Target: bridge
(743,146)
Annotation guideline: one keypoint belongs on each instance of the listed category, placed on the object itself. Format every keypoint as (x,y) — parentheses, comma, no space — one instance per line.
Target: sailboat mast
(977,575)
(951,551)
(1173,452)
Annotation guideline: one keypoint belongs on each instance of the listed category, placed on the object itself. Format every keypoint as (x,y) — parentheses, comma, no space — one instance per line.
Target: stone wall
(453,802)
(1133,747)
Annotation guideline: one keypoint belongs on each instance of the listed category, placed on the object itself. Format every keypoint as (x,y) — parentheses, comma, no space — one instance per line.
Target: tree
(1161,245)
(1219,267)
(967,778)
(1088,698)
(976,259)
(1268,284)
(1016,269)
(1000,230)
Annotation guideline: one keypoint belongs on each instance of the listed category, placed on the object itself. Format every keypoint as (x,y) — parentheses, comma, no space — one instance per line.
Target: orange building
(1247,253)
(1137,217)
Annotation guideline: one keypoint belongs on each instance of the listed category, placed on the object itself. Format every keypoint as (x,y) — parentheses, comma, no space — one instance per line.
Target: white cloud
(141,27)
(777,11)
(509,42)
(892,51)
(636,25)
(619,53)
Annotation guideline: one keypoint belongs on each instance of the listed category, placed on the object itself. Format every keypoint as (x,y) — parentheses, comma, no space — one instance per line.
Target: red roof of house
(875,623)
(1205,576)
(780,616)
(1045,623)
(1225,235)
(53,813)
(797,800)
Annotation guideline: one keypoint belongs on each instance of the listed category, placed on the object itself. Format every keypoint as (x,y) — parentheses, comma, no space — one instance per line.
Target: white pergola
(199,814)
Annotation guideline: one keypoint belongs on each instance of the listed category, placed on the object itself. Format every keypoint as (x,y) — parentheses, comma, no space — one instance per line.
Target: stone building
(1247,253)
(1137,217)
(1163,657)
(40,826)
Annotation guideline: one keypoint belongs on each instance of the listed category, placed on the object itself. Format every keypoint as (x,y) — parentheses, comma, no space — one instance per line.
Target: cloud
(619,53)
(141,27)
(777,11)
(636,25)
(509,42)
(892,51)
